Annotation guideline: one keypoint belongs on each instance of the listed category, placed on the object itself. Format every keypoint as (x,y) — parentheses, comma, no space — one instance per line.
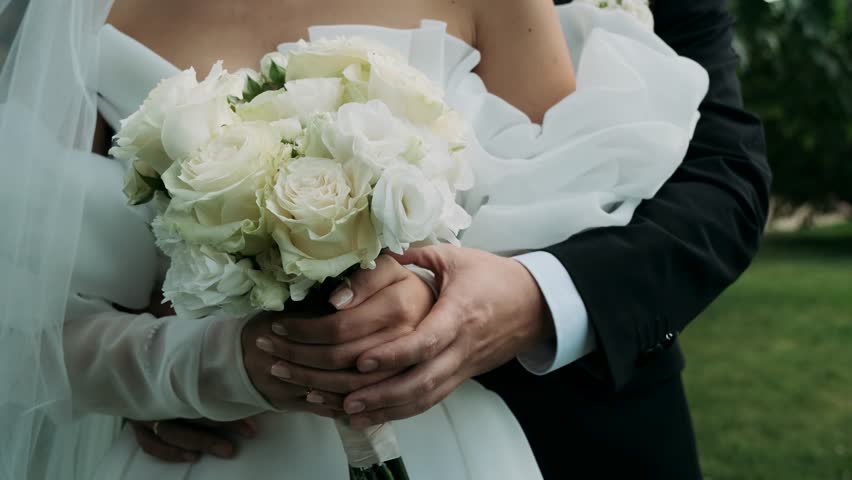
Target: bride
(550,161)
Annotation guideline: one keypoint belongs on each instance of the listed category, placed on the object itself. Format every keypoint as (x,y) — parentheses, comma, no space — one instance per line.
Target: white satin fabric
(598,153)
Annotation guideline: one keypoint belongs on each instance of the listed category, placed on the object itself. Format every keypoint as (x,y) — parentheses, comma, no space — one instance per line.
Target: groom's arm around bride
(621,411)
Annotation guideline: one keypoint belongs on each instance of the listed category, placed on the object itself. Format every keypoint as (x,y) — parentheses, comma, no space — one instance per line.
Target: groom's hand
(489,310)
(375,307)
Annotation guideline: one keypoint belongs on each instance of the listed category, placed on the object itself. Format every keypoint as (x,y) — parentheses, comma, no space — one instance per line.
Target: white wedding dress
(597,154)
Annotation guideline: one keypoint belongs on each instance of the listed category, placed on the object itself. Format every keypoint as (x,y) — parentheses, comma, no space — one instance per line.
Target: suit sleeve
(644,282)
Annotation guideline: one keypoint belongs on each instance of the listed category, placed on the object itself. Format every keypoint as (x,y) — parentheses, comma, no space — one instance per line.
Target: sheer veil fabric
(49,54)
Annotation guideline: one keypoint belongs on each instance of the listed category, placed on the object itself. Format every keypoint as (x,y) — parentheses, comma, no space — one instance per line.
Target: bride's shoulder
(525,38)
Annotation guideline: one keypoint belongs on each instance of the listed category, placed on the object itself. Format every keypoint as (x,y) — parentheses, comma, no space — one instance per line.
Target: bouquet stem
(390,470)
(373,452)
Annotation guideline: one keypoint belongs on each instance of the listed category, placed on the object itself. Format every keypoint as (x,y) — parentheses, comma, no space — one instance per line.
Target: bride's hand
(318,353)
(489,310)
(187,440)
(259,364)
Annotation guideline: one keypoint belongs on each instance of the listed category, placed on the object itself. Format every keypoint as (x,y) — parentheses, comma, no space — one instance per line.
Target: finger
(408,388)
(284,395)
(246,427)
(320,410)
(327,357)
(408,410)
(332,401)
(337,381)
(432,336)
(436,258)
(388,308)
(154,446)
(363,284)
(195,438)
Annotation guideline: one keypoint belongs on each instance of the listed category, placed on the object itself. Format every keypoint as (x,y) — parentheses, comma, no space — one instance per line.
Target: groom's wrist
(571,336)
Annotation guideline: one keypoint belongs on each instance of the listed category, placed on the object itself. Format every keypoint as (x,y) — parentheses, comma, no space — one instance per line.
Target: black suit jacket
(644,282)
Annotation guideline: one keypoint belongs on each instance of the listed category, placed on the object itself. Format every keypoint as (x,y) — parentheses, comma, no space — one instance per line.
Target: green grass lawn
(769,365)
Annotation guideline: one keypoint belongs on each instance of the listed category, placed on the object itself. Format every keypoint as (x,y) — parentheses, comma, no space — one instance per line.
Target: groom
(621,412)
(605,399)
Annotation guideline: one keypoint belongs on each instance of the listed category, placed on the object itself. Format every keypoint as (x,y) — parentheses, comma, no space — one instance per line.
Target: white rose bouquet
(270,183)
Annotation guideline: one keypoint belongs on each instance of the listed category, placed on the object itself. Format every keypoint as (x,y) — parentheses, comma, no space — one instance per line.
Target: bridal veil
(48,52)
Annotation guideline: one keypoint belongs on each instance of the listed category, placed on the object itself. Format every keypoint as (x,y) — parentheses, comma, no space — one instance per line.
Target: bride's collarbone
(200,32)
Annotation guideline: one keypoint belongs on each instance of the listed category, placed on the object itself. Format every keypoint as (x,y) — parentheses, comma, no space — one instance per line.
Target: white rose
(201,281)
(442,159)
(406,207)
(454,218)
(214,191)
(288,129)
(318,214)
(278,58)
(301,99)
(369,134)
(189,127)
(356,83)
(311,144)
(219,84)
(410,208)
(139,135)
(330,57)
(406,91)
(139,141)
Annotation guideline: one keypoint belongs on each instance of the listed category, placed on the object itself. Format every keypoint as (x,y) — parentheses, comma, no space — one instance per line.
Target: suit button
(669,340)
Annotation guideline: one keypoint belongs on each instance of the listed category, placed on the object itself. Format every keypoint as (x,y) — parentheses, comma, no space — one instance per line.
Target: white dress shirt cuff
(574,337)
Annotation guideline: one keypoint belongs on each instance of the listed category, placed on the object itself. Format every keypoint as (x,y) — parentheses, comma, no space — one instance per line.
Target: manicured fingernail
(222,450)
(359,422)
(368,366)
(190,457)
(354,407)
(279,329)
(316,398)
(341,297)
(280,371)
(265,344)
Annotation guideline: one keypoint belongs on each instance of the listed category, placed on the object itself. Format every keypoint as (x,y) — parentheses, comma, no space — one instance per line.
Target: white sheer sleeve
(143,367)
(139,366)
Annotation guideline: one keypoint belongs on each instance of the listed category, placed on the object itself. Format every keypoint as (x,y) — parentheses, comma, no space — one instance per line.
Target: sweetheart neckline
(345,26)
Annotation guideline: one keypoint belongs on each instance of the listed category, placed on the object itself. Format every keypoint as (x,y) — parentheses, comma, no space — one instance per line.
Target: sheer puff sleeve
(140,366)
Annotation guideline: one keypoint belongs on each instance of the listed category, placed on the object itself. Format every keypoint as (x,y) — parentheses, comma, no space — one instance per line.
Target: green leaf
(147,198)
(277,74)
(252,89)
(155,183)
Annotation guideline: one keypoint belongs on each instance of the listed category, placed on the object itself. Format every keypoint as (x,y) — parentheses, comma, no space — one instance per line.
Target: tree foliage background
(797,75)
